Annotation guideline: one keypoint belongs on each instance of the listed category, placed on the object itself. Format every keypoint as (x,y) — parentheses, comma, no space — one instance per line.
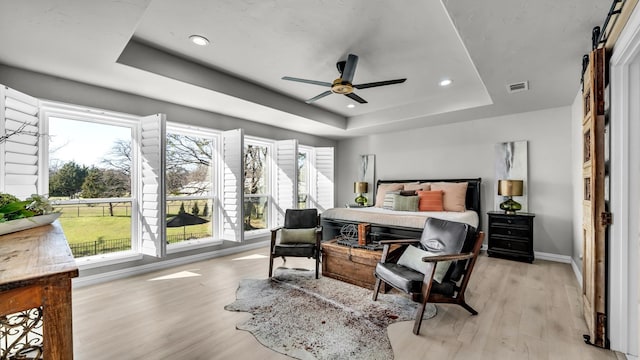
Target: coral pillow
(382,191)
(417,187)
(455,194)
(431,200)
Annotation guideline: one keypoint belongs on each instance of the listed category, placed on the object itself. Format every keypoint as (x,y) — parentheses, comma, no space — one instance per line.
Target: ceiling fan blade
(326,93)
(379,83)
(356,98)
(349,69)
(314,82)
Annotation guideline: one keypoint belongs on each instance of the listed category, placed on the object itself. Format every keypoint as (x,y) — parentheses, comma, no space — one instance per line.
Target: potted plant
(16,215)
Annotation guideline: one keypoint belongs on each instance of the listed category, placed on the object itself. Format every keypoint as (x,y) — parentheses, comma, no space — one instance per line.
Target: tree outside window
(256,185)
(189,184)
(90,183)
(303,179)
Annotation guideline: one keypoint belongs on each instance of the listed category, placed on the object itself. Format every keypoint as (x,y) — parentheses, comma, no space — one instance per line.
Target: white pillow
(412,258)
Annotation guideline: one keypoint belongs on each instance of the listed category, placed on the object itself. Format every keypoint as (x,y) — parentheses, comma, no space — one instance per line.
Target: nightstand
(511,236)
(357,206)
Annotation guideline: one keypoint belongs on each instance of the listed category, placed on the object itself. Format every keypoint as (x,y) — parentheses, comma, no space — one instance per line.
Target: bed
(390,224)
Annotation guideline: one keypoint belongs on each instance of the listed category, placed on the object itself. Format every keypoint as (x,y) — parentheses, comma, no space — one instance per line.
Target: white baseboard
(577,272)
(552,257)
(137,270)
(631,357)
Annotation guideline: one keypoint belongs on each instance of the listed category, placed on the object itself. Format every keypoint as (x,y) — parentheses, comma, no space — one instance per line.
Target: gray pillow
(412,258)
(298,236)
(389,199)
(405,203)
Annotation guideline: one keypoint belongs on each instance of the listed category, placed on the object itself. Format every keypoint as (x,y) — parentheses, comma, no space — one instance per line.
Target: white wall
(576,178)
(466,150)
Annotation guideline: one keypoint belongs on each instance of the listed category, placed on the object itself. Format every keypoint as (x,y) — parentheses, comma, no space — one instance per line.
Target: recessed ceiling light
(199,40)
(351,106)
(445,82)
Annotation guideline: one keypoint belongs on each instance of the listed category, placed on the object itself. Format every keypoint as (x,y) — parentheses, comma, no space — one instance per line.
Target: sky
(83,142)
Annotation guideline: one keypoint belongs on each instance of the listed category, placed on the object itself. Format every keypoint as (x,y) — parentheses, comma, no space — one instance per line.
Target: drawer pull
(509,232)
(510,221)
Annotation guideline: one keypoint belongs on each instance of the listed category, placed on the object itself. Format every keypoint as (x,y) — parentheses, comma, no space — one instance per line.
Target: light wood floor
(526,311)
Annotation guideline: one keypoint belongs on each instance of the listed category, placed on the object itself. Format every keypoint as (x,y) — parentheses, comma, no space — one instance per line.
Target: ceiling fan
(343,85)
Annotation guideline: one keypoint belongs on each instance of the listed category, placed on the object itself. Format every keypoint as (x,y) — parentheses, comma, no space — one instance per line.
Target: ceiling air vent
(517,87)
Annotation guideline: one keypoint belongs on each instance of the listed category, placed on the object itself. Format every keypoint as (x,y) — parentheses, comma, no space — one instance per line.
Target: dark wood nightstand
(511,236)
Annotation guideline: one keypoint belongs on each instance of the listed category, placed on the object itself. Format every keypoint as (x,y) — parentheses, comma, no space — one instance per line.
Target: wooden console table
(36,268)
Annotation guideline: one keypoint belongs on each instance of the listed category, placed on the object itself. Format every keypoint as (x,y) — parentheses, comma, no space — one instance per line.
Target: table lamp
(510,188)
(360,188)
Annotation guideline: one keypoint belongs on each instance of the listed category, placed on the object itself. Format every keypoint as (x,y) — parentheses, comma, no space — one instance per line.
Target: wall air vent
(517,87)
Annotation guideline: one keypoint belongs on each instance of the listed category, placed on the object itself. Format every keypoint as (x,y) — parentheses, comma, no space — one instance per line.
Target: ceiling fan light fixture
(199,40)
(445,82)
(341,87)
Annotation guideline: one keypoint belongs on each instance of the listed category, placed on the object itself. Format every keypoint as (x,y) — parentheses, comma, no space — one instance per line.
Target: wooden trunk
(353,265)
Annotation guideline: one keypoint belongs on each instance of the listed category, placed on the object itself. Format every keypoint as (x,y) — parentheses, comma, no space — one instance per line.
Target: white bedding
(375,215)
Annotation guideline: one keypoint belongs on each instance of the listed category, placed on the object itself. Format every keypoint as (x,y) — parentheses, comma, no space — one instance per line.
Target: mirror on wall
(511,164)
(366,173)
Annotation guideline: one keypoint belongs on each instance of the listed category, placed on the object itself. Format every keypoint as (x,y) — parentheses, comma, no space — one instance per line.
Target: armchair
(299,237)
(435,268)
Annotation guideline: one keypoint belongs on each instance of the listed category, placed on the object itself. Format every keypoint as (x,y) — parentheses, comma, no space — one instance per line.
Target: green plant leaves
(15,210)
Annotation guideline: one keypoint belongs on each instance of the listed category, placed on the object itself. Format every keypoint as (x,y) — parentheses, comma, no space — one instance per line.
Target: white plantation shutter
(286,177)
(324,160)
(152,194)
(233,178)
(19,155)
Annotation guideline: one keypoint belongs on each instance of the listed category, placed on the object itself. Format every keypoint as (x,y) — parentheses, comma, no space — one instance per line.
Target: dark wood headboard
(332,227)
(473,192)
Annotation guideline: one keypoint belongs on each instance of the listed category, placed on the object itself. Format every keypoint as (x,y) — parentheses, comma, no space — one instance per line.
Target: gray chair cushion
(410,281)
(296,250)
(400,277)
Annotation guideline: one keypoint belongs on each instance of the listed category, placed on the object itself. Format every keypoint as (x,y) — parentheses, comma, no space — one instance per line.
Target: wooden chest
(353,265)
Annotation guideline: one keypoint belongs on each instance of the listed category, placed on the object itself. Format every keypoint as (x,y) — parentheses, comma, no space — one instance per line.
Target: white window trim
(309,150)
(81,113)
(217,170)
(271,178)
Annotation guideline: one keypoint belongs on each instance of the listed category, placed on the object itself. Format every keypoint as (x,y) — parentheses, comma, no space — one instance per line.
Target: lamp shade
(510,187)
(360,187)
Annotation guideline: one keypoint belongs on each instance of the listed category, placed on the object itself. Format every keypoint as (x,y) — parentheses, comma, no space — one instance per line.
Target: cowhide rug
(299,316)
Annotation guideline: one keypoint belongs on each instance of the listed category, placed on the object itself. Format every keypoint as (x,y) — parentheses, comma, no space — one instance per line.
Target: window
(304,159)
(257,187)
(90,181)
(190,181)
(118,178)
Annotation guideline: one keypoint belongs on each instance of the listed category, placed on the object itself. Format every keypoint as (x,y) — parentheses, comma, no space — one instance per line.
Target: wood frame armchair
(303,244)
(422,287)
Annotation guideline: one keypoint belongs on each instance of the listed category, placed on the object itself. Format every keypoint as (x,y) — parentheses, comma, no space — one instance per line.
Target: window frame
(51,109)
(308,150)
(215,190)
(271,181)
